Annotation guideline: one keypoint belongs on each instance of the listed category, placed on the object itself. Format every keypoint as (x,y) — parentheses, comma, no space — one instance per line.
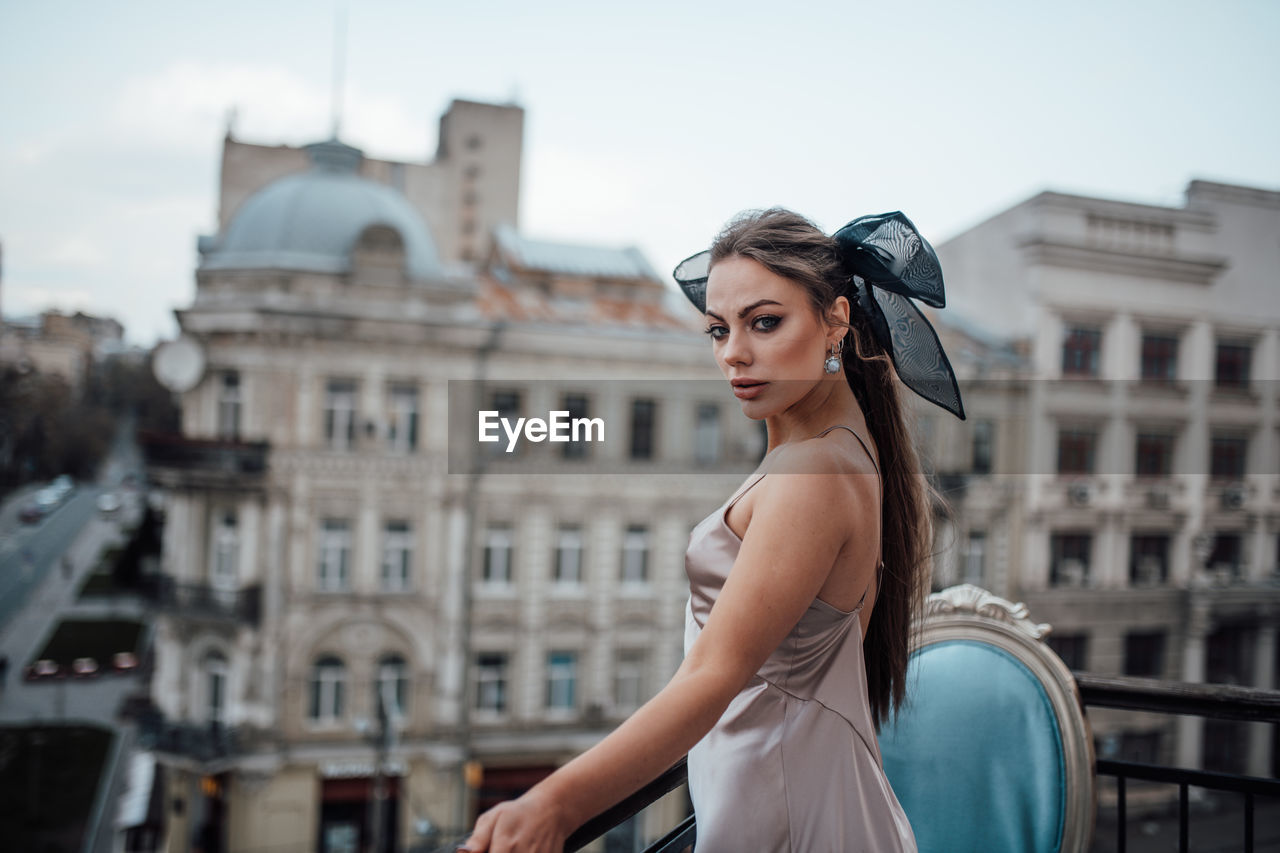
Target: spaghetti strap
(736,497)
(860,441)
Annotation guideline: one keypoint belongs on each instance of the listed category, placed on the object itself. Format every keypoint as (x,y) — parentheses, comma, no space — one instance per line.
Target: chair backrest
(991,751)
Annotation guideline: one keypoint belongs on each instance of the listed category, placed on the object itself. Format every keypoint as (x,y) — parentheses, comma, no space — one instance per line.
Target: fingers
(478,841)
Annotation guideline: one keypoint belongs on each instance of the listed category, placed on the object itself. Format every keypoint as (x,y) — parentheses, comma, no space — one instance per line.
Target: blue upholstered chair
(991,753)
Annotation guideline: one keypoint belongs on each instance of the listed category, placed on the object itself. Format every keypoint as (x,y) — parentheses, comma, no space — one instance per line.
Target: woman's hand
(529,824)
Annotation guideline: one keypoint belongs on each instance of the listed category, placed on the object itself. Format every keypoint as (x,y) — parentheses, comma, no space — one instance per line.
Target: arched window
(213,669)
(328,686)
(392,685)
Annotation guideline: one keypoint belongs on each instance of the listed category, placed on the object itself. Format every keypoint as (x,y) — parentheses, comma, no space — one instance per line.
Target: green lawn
(99,639)
(49,776)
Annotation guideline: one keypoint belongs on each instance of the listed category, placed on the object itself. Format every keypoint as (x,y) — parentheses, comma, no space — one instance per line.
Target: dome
(311,221)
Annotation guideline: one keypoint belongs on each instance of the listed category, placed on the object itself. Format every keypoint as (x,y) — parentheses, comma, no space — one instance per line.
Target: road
(37,590)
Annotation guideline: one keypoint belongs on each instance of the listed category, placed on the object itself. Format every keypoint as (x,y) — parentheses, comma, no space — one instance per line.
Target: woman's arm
(798,526)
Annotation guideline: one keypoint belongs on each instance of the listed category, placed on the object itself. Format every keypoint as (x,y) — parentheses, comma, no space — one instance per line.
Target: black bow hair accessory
(892,264)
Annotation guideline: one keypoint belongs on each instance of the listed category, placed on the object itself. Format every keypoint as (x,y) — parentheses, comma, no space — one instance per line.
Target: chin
(758,410)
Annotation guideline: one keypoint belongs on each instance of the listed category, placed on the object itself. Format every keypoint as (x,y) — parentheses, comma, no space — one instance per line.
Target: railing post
(1182,818)
(1248,822)
(1121,820)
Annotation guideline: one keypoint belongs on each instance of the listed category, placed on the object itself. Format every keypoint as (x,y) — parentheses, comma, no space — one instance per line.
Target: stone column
(1191,729)
(1264,668)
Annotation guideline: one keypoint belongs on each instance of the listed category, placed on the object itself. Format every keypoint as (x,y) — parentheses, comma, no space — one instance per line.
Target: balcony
(1114,829)
(205,603)
(177,460)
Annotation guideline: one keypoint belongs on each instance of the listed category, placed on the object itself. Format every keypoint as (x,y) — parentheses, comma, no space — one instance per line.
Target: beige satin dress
(793,763)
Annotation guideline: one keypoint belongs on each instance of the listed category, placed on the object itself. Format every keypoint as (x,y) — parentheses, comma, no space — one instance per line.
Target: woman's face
(769,342)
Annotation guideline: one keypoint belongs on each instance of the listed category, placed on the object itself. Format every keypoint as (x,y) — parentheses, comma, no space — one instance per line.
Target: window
(340,414)
(1069,559)
(391,690)
(1153,455)
(497,554)
(568,557)
(628,684)
(1226,457)
(975,557)
(1075,451)
(706,435)
(1148,559)
(328,684)
(577,405)
(507,404)
(1159,358)
(402,419)
(229,406)
(1080,351)
(491,682)
(335,555)
(984,435)
(1227,554)
(643,422)
(635,555)
(1072,648)
(215,680)
(562,674)
(1144,653)
(1231,365)
(397,555)
(226,551)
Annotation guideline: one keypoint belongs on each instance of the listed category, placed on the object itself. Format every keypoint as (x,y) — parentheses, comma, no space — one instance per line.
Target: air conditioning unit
(1233,496)
(1158,497)
(1071,573)
(1079,494)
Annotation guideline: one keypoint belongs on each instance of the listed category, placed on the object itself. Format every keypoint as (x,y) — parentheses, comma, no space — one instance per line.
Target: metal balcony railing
(1132,694)
(211,460)
(201,601)
(1199,700)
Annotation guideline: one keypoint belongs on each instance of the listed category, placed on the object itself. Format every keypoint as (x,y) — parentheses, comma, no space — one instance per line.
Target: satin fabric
(793,763)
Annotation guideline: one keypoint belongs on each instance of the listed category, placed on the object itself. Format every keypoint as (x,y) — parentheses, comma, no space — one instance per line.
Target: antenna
(339,64)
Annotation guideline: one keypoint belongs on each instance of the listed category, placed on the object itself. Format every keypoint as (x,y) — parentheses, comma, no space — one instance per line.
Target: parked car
(31,513)
(108,503)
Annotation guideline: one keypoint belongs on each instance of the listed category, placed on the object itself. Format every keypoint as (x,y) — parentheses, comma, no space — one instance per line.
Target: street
(38,590)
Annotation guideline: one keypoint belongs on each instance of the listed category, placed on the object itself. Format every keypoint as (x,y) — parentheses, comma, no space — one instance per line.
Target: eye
(766,322)
(716,332)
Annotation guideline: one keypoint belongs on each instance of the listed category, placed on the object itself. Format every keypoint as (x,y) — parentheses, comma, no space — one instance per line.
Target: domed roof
(312,220)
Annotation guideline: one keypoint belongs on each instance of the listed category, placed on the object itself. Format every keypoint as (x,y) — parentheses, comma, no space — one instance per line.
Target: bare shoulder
(837,453)
(825,472)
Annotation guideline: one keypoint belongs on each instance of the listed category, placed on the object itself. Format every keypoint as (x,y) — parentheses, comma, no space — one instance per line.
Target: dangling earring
(832,364)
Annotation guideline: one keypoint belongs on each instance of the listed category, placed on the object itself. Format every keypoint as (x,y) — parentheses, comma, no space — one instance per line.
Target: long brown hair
(791,246)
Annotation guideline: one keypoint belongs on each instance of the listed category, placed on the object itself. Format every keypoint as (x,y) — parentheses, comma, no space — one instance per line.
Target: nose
(736,350)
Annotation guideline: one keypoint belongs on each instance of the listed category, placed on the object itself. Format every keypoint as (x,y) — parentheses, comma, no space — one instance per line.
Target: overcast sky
(647,124)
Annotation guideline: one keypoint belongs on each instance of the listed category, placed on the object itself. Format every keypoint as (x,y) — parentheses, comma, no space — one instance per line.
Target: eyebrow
(745,311)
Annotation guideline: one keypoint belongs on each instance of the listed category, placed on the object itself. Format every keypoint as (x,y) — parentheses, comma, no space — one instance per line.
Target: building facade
(364,602)
(1132,438)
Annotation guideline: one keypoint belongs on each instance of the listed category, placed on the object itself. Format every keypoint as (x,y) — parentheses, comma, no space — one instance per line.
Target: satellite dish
(179,365)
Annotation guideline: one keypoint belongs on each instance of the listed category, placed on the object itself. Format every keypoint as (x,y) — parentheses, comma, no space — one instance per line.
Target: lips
(745,388)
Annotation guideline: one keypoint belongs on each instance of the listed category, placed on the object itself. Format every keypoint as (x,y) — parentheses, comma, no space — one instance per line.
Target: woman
(779,697)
